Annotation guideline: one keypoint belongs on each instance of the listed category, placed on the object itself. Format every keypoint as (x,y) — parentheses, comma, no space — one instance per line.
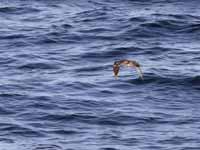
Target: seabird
(128,63)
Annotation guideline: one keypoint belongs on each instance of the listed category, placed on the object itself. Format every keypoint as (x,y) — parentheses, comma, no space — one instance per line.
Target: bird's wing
(139,71)
(115,70)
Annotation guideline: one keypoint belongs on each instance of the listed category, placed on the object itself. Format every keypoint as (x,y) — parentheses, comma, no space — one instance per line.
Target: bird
(128,63)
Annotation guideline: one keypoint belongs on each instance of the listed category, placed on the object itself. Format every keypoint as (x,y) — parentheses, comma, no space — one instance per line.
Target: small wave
(82,85)
(5,111)
(138,19)
(5,61)
(18,130)
(180,17)
(174,23)
(142,32)
(60,28)
(104,37)
(48,40)
(91,13)
(87,104)
(66,26)
(168,25)
(63,132)
(68,117)
(9,9)
(92,19)
(120,119)
(5,95)
(48,147)
(95,56)
(40,105)
(118,52)
(195,80)
(13,36)
(96,30)
(157,50)
(6,140)
(90,69)
(176,140)
(109,148)
(33,66)
(18,10)
(192,28)
(113,119)
(167,81)
(57,37)
(27,56)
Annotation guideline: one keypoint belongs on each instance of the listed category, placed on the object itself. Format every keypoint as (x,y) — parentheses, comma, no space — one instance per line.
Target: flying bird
(128,63)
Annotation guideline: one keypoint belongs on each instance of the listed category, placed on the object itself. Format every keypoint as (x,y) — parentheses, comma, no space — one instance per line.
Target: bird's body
(128,63)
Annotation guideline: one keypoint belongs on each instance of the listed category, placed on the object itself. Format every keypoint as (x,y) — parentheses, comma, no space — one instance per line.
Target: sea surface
(57,89)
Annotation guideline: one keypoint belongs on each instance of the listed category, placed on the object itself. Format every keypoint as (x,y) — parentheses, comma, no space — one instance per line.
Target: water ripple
(57,88)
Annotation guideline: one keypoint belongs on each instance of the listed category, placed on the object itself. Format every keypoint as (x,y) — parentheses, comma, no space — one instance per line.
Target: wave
(138,19)
(106,119)
(153,78)
(165,24)
(18,10)
(192,28)
(39,65)
(57,83)
(63,132)
(121,52)
(97,30)
(47,147)
(8,129)
(13,36)
(66,26)
(109,148)
(11,95)
(90,69)
(163,27)
(5,111)
(179,17)
(91,13)
(6,140)
(118,52)
(176,140)
(195,80)
(170,24)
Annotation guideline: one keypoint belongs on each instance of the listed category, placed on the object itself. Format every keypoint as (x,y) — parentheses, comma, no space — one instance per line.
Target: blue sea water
(57,90)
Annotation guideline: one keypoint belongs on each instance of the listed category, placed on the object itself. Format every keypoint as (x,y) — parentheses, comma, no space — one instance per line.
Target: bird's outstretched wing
(139,71)
(127,63)
(115,69)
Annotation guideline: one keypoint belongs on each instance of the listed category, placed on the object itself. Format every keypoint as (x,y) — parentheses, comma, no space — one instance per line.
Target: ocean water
(57,90)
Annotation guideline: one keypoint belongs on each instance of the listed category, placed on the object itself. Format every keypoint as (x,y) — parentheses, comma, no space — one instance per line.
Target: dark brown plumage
(128,63)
